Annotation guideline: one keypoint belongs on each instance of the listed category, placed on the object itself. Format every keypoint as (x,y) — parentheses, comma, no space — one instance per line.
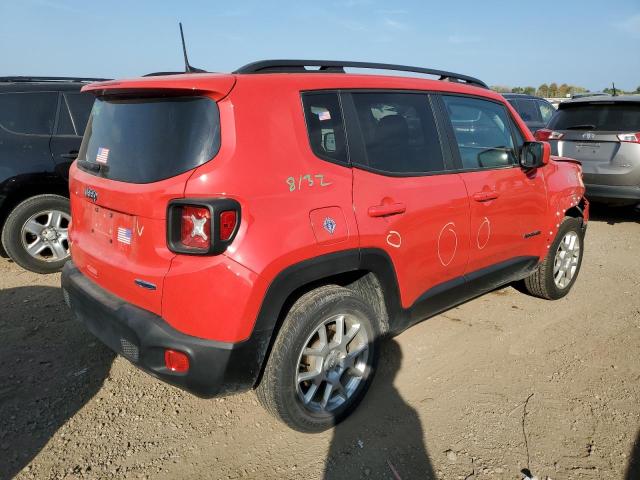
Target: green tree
(553,90)
(543,90)
(638,90)
(563,90)
(517,90)
(529,90)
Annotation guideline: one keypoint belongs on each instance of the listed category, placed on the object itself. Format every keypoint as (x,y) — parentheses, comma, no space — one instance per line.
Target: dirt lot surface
(502,383)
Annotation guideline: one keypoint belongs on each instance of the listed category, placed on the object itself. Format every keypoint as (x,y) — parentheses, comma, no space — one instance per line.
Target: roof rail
(334,66)
(51,79)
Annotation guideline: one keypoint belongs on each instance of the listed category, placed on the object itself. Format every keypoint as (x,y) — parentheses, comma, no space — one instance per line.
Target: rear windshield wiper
(586,126)
(91,166)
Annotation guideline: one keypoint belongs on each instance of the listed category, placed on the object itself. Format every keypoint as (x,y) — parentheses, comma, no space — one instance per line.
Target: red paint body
(442,233)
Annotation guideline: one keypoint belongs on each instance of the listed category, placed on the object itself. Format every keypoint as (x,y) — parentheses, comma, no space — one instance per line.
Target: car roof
(300,81)
(42,84)
(602,100)
(521,95)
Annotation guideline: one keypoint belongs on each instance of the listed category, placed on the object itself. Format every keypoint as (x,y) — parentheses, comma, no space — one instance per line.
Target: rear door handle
(485,196)
(387,209)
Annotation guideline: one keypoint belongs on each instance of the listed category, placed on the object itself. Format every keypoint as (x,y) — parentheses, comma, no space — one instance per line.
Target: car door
(507,203)
(73,113)
(407,198)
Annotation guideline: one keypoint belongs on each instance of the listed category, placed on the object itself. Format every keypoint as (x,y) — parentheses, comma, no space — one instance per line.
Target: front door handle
(385,210)
(485,196)
(72,156)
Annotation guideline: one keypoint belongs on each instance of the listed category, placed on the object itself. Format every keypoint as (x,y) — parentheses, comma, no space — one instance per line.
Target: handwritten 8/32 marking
(306,180)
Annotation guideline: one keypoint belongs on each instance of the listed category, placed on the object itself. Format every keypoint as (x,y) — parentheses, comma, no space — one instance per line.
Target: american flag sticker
(124,235)
(103,155)
(324,115)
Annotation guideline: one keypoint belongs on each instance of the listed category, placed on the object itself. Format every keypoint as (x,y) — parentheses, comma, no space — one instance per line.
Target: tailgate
(118,236)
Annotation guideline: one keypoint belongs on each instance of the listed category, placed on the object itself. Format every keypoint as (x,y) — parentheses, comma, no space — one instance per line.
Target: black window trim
(357,144)
(448,142)
(452,137)
(308,93)
(55,124)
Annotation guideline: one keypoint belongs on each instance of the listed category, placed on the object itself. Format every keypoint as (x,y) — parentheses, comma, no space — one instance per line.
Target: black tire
(278,389)
(541,283)
(12,233)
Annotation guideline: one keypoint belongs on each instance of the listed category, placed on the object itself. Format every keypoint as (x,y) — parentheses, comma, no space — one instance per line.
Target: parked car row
(225,240)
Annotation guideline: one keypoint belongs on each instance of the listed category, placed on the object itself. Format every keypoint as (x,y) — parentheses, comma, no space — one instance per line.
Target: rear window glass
(613,117)
(145,140)
(28,112)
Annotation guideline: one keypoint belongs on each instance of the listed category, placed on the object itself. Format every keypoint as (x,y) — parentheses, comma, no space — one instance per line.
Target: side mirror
(534,154)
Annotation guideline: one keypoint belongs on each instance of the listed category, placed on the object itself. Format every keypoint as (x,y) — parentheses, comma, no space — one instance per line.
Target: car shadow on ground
(611,215)
(633,468)
(50,367)
(383,438)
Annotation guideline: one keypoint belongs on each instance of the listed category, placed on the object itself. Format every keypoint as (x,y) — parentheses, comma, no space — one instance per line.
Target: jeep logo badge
(588,136)
(91,194)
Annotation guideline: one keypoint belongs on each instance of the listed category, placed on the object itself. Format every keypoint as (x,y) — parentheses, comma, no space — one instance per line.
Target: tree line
(552,90)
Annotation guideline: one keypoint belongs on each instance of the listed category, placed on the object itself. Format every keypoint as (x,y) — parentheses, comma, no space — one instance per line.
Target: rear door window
(143,140)
(598,116)
(65,124)
(483,132)
(323,116)
(528,110)
(28,112)
(546,110)
(399,133)
(80,107)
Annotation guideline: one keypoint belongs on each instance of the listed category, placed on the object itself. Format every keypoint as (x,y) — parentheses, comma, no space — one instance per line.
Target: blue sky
(584,43)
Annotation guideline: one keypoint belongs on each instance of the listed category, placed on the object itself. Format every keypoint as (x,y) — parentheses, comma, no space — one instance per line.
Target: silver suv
(603,133)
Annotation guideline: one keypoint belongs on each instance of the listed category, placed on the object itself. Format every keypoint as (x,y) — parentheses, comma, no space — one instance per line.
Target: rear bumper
(613,192)
(142,337)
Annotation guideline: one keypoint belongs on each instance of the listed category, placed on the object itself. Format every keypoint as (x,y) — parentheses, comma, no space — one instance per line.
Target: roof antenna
(187,68)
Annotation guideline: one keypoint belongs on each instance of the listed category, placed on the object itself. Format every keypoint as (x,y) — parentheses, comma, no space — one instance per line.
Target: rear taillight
(629,137)
(195,227)
(202,226)
(544,134)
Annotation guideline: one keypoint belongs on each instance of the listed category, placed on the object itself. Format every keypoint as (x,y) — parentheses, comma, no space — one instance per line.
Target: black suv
(535,111)
(42,120)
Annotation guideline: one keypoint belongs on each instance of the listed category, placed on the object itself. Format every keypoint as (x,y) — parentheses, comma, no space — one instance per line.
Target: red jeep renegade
(264,229)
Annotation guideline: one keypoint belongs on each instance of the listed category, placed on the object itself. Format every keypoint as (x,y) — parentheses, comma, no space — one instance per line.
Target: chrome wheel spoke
(309,375)
(33,227)
(308,396)
(36,247)
(55,219)
(59,252)
(326,396)
(353,331)
(339,334)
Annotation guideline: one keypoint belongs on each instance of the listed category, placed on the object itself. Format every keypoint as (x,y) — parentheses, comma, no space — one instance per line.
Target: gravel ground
(502,383)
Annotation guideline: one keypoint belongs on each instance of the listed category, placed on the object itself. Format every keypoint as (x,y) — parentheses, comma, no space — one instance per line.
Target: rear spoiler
(217,85)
